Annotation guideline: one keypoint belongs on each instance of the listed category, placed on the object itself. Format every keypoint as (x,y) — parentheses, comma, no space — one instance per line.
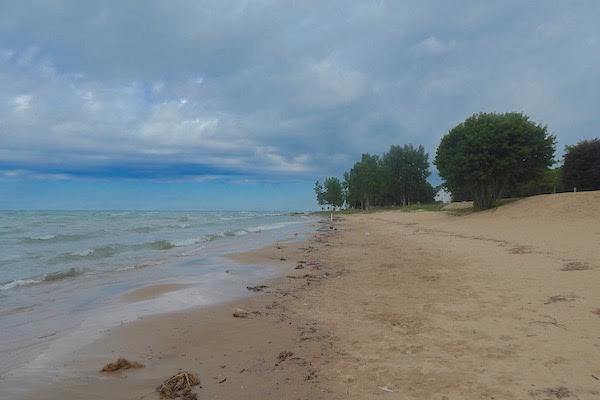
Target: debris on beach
(305,276)
(576,266)
(559,392)
(388,390)
(560,297)
(311,376)
(284,355)
(121,363)
(299,266)
(240,313)
(258,288)
(179,386)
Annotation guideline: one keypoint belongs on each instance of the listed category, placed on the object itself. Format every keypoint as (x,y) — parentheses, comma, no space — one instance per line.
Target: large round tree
(582,166)
(489,152)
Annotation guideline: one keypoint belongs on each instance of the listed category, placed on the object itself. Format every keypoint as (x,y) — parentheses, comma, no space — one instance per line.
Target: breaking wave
(55,238)
(49,277)
(17,283)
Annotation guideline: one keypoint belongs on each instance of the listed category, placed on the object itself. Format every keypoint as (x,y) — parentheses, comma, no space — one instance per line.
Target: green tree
(490,152)
(549,182)
(318,189)
(405,170)
(364,181)
(425,193)
(334,194)
(581,169)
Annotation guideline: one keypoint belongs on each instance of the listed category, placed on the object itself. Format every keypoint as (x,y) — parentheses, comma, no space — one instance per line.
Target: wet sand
(502,304)
(152,291)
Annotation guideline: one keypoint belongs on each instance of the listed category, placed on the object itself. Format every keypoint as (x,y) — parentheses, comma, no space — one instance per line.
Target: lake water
(62,274)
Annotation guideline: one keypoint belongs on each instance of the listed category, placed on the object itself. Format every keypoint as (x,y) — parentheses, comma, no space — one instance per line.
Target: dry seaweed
(121,363)
(284,355)
(179,386)
(258,288)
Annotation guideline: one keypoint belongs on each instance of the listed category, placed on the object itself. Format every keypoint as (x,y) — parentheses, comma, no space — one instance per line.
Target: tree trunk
(484,197)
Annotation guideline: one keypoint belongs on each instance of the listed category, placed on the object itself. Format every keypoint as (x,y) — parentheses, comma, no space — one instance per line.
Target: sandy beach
(501,304)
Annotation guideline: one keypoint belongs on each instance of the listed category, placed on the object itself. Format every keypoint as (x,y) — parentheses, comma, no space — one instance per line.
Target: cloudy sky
(242,105)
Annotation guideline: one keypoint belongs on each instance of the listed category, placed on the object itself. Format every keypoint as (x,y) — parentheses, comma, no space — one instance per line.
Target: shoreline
(426,305)
(43,323)
(161,355)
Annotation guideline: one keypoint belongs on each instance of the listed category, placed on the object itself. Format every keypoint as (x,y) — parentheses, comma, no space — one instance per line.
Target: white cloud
(21,173)
(90,103)
(279,163)
(433,46)
(22,103)
(167,125)
(327,83)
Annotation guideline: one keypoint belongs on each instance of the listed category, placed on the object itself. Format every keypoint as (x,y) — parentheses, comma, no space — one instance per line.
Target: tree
(333,194)
(581,169)
(319,193)
(405,172)
(489,152)
(363,181)
(549,182)
(425,193)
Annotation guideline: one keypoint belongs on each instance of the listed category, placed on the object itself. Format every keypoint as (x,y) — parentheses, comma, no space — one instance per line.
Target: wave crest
(54,238)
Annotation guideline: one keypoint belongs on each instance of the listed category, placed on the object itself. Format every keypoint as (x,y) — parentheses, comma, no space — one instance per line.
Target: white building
(443,195)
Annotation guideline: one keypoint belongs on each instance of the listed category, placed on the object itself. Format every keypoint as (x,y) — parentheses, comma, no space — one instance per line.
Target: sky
(187,104)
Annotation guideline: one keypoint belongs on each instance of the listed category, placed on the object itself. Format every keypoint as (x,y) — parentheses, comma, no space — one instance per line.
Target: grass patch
(372,210)
(461,211)
(434,207)
(470,210)
(422,207)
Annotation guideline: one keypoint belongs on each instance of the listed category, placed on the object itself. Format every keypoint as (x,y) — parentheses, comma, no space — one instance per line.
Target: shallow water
(64,274)
(37,246)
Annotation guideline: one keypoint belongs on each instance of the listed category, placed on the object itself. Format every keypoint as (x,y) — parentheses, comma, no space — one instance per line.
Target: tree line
(398,177)
(484,158)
